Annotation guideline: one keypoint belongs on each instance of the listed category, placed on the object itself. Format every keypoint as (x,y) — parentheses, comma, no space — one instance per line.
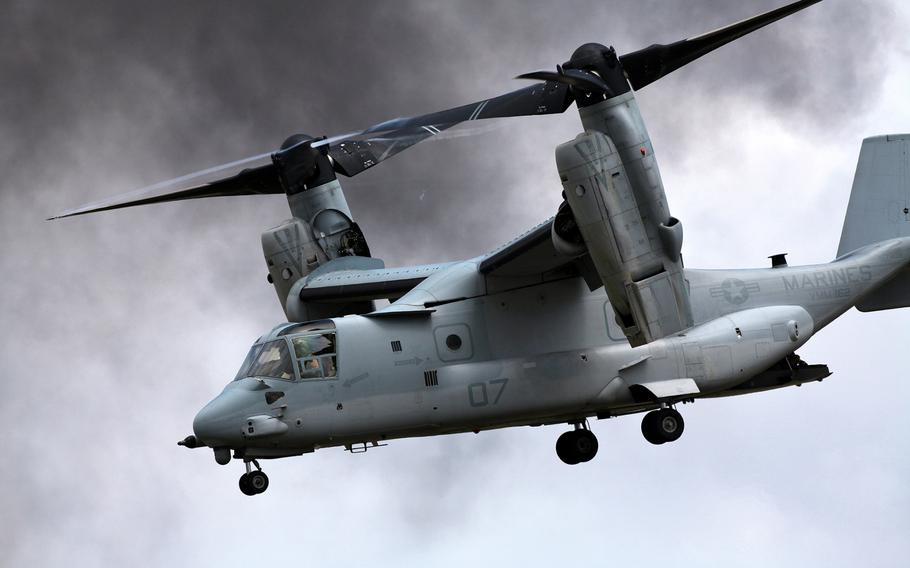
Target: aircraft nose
(219,422)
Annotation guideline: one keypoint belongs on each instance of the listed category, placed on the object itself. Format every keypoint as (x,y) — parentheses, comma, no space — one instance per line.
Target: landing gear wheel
(253,482)
(576,446)
(258,482)
(649,429)
(670,424)
(661,426)
(245,486)
(585,445)
(564,450)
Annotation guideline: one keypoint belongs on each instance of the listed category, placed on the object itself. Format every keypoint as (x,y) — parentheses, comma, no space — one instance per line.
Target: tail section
(880,201)
(879,210)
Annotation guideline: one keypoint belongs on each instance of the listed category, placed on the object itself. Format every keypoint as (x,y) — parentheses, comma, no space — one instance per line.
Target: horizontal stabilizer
(893,294)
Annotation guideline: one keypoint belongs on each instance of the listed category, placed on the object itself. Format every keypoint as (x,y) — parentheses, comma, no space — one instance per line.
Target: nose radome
(205,424)
(219,422)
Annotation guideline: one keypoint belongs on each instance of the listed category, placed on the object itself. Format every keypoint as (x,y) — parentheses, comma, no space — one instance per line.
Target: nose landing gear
(577,446)
(253,482)
(661,426)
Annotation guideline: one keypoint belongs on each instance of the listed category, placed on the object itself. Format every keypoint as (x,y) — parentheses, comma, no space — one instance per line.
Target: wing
(529,259)
(329,286)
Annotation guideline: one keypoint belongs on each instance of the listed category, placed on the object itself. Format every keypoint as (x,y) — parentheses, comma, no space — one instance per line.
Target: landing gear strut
(661,426)
(577,446)
(253,482)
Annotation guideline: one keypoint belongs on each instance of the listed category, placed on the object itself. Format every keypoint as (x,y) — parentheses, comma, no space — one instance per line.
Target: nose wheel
(661,426)
(253,482)
(577,446)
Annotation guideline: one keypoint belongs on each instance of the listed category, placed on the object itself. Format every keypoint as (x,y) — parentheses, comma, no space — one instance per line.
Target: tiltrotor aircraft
(590,314)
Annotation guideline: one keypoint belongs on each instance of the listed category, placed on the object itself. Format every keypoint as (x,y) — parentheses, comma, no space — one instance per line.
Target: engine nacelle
(321,230)
(291,253)
(636,254)
(564,233)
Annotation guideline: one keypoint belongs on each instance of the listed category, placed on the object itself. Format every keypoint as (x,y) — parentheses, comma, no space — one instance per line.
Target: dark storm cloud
(185,86)
(119,326)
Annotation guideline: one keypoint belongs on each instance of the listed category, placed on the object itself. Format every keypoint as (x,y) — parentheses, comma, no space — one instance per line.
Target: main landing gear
(253,482)
(578,445)
(661,426)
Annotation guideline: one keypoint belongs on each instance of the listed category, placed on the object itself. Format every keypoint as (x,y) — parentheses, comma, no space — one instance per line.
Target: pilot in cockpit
(310,369)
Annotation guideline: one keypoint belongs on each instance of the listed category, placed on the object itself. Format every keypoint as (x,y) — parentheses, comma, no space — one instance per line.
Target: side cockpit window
(316,355)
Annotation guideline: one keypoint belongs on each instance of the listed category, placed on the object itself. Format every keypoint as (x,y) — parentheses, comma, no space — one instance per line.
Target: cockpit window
(268,360)
(315,344)
(250,357)
(316,355)
(319,325)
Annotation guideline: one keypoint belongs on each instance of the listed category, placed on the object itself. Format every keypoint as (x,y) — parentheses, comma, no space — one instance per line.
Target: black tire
(258,482)
(584,444)
(564,448)
(669,424)
(245,486)
(649,428)
(576,446)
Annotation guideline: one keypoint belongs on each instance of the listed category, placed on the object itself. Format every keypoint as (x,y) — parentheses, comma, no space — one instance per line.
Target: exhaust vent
(430,378)
(778,260)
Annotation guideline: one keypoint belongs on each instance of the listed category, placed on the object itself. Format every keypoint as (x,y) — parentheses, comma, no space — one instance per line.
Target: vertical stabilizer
(879,206)
(879,210)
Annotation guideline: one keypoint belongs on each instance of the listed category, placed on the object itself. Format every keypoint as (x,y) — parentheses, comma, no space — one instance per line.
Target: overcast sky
(118,327)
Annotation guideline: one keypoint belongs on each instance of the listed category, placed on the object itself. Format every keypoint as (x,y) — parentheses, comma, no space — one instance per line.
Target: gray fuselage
(539,354)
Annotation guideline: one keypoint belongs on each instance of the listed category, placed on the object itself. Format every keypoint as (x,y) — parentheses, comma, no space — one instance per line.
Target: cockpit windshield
(268,360)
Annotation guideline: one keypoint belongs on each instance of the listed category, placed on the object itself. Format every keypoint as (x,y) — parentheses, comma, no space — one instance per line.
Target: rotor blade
(259,180)
(647,65)
(354,154)
(351,156)
(572,77)
(351,153)
(546,98)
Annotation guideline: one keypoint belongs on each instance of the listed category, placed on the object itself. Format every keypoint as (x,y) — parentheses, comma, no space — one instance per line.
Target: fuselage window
(316,355)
